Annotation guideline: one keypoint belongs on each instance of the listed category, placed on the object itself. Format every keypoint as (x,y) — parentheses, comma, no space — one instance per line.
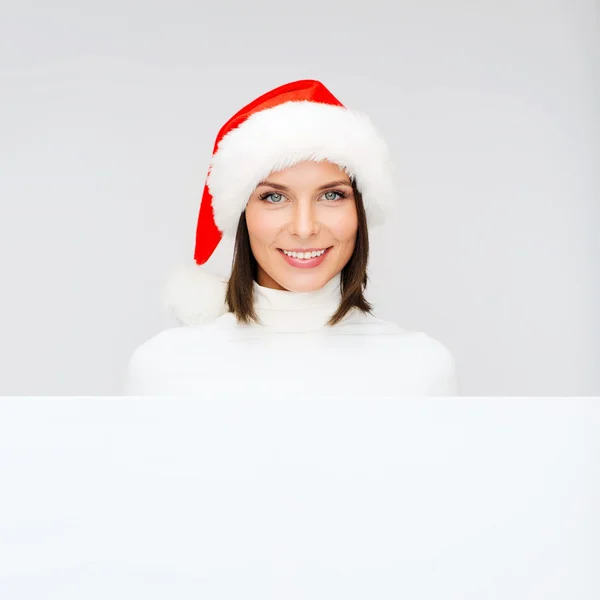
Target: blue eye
(330,196)
(272,197)
(334,195)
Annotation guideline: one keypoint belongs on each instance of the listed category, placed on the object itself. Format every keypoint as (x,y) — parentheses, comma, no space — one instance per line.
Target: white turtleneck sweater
(292,351)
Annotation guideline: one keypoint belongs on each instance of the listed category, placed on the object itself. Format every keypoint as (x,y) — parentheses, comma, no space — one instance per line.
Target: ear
(194,295)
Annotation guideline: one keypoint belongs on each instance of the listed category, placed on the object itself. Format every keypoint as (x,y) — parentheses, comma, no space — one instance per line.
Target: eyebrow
(284,188)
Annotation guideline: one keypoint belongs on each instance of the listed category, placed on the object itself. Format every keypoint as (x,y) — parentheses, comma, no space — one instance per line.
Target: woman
(300,181)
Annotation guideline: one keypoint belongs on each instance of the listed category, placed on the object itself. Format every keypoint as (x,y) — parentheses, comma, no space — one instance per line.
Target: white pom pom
(194,295)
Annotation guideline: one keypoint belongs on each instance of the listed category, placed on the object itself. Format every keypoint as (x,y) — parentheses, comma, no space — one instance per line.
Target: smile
(304,259)
(306,254)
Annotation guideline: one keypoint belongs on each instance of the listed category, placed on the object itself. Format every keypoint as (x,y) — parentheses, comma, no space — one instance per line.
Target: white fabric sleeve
(442,367)
(143,374)
(133,384)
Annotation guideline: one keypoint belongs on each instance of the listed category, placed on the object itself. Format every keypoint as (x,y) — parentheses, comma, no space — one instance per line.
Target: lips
(304,263)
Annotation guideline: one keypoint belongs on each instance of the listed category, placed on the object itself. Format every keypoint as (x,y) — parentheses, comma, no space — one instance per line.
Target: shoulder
(433,351)
(151,355)
(440,363)
(173,348)
(433,359)
(182,338)
(172,343)
(358,322)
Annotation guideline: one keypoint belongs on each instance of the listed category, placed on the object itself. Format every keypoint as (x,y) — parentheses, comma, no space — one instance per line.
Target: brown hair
(240,288)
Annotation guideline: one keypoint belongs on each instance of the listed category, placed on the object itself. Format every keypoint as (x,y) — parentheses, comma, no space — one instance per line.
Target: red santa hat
(295,122)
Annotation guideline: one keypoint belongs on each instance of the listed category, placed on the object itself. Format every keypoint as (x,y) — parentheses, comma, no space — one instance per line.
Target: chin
(310,283)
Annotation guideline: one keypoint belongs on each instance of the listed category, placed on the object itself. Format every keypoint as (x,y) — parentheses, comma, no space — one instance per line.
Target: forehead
(310,172)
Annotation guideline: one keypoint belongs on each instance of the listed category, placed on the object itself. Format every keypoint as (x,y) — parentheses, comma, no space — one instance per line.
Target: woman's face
(309,207)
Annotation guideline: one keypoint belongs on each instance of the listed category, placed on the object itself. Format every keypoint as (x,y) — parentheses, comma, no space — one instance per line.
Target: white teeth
(304,255)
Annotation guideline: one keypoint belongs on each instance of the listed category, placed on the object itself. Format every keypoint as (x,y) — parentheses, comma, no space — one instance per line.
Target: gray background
(107,120)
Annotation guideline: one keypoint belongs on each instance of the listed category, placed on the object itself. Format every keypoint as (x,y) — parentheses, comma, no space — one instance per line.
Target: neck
(282,310)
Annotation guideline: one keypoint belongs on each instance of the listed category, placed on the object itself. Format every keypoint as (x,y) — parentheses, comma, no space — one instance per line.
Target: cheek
(262,227)
(343,224)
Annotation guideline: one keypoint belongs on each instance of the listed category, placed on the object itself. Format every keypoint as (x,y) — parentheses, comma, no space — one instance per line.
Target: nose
(304,222)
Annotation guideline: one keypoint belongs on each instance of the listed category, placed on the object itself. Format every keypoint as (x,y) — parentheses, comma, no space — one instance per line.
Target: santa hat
(298,121)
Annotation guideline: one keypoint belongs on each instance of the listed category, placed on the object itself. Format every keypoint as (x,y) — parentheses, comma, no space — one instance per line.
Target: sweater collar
(282,310)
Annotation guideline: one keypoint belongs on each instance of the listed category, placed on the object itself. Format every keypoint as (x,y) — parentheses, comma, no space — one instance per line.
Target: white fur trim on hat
(279,137)
(194,295)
